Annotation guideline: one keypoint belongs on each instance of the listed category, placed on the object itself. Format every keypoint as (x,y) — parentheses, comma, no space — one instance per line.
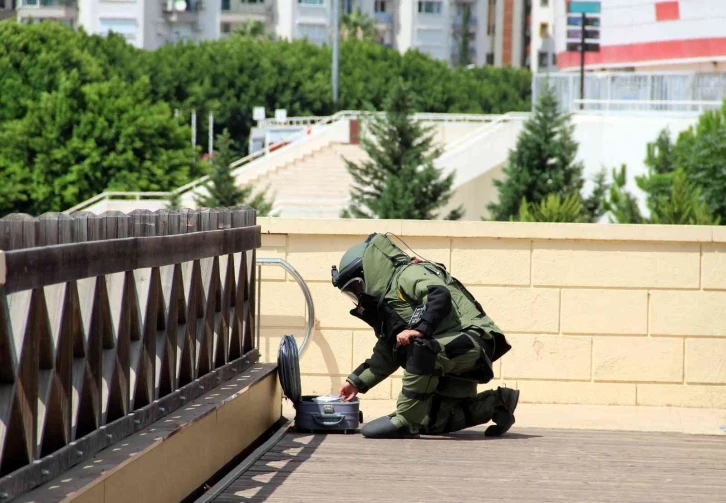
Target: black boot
(504,413)
(384,428)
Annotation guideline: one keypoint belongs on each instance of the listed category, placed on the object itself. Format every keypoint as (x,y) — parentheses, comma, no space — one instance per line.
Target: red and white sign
(647,32)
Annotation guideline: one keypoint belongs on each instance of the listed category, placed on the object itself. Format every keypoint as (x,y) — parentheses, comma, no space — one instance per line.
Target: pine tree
(542,162)
(222,188)
(684,204)
(661,164)
(399,180)
(621,204)
(553,209)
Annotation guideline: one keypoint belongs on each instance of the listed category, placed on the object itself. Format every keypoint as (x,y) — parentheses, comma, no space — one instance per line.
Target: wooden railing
(109,322)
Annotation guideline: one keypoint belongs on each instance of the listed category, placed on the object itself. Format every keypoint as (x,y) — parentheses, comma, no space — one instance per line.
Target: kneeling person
(429,324)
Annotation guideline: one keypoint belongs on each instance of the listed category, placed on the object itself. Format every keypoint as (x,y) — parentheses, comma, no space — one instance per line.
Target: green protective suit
(442,369)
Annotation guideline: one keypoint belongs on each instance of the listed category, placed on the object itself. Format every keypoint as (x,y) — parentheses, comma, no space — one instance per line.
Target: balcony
(47,9)
(383,17)
(182,6)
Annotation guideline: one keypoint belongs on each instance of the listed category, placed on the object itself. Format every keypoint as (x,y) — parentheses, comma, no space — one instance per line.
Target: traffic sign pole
(582,61)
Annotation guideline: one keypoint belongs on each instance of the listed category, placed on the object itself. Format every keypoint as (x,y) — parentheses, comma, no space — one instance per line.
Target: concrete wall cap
(497,230)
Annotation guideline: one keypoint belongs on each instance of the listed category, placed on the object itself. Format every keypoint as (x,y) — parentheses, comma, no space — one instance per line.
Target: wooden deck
(531,465)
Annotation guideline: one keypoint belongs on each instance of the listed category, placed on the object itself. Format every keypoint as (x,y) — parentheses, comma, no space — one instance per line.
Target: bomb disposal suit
(429,324)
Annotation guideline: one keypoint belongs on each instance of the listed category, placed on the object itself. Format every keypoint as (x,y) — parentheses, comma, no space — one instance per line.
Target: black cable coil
(288,368)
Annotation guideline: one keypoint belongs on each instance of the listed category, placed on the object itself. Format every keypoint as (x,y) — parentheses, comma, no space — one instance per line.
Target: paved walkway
(529,464)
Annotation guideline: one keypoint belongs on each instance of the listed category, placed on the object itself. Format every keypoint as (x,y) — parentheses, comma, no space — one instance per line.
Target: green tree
(253,29)
(82,139)
(542,162)
(222,189)
(701,152)
(553,209)
(619,203)
(684,206)
(399,180)
(464,37)
(358,26)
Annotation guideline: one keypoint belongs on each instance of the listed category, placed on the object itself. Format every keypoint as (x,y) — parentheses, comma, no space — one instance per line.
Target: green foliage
(684,206)
(82,139)
(619,203)
(253,29)
(399,180)
(231,76)
(358,26)
(553,209)
(81,114)
(543,163)
(222,188)
(701,152)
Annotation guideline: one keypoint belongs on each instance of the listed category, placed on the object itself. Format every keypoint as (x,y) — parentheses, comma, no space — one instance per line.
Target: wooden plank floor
(530,465)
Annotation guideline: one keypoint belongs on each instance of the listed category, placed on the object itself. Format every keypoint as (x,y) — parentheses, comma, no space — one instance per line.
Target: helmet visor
(354,287)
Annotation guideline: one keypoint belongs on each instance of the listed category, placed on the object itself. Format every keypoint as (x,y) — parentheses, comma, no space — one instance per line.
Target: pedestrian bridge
(132,368)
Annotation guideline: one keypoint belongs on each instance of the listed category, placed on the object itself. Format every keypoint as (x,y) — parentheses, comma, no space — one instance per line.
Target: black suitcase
(313,414)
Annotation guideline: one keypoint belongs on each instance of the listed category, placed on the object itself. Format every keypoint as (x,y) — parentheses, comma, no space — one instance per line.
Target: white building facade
(498,31)
(651,36)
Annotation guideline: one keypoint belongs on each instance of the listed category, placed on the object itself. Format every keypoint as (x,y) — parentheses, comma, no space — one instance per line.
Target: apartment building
(146,24)
(498,31)
(542,56)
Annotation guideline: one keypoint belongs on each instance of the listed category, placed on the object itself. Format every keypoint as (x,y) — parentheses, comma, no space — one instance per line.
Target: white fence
(636,92)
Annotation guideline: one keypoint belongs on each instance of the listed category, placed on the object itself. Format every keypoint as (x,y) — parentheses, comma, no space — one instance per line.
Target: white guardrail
(315,122)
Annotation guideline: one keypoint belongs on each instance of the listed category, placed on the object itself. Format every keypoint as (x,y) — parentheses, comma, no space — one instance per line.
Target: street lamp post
(336,23)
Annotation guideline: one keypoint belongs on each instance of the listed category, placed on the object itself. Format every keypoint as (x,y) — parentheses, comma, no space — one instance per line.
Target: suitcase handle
(328,419)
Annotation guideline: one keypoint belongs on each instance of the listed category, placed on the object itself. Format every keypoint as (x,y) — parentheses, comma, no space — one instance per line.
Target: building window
(311,2)
(251,1)
(316,33)
(380,6)
(554,59)
(226,4)
(490,58)
(542,59)
(429,7)
(544,3)
(124,27)
(544,30)
(226,27)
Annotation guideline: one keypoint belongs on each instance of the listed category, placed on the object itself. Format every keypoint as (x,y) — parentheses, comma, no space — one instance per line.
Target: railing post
(17,231)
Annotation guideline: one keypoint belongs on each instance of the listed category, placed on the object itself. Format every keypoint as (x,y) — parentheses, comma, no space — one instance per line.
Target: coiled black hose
(288,368)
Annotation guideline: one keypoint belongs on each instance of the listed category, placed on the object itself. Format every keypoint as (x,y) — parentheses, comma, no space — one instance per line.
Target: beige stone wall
(596,314)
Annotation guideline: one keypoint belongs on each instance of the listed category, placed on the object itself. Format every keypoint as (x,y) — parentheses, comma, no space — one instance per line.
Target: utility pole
(582,61)
(336,28)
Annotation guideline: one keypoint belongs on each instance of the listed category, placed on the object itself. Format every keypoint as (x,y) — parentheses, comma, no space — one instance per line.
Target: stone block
(688,313)
(547,357)
(577,392)
(328,352)
(480,261)
(529,310)
(273,246)
(604,311)
(637,359)
(680,395)
(706,361)
(714,266)
(616,264)
(282,304)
